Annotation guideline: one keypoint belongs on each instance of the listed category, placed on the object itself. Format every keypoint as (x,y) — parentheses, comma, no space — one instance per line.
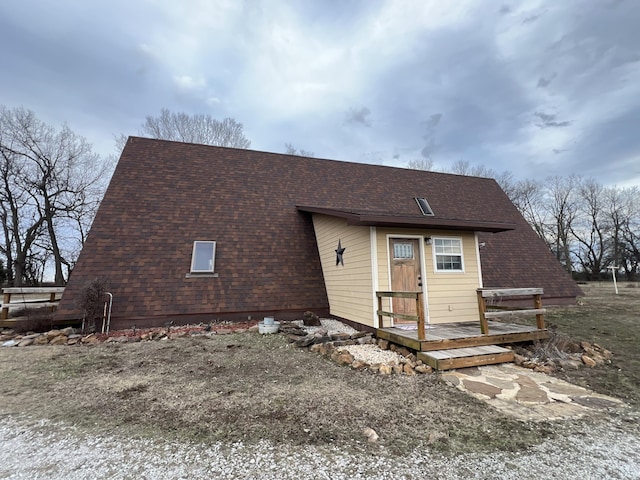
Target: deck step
(466,357)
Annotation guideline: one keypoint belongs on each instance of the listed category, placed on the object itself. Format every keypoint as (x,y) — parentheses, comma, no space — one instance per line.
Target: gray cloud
(429,135)
(547,120)
(359,115)
(531,18)
(498,77)
(544,82)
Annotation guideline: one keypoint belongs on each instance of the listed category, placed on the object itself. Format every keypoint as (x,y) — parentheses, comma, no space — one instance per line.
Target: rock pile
(577,355)
(359,350)
(70,336)
(65,336)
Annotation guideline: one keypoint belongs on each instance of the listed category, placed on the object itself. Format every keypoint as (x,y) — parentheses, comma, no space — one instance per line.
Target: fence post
(52,299)
(5,310)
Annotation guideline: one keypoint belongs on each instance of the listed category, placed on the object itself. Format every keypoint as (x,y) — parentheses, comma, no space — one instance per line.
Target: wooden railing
(419,317)
(496,311)
(30,297)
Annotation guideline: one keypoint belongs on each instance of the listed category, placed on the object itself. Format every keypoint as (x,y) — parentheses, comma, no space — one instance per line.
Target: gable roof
(165,195)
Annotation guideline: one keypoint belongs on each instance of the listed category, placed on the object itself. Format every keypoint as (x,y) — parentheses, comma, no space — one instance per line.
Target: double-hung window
(447,254)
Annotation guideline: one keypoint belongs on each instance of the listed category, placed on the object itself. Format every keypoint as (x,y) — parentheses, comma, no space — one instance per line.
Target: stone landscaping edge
(334,345)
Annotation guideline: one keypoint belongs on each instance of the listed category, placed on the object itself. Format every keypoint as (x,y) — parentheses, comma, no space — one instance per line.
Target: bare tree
(21,223)
(54,180)
(421,164)
(464,167)
(199,128)
(562,206)
(630,232)
(617,210)
(528,196)
(505,178)
(590,229)
(289,149)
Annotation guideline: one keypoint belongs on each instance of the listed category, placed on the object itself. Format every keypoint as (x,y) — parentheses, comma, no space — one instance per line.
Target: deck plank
(466,357)
(467,352)
(462,335)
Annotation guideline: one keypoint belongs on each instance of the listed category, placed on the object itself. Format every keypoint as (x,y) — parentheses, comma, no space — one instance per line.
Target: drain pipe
(106,315)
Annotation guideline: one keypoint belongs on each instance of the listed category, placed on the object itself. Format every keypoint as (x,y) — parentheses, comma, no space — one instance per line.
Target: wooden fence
(29,297)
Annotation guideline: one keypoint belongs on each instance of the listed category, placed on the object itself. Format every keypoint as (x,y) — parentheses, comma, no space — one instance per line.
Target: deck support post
(420,311)
(537,304)
(482,308)
(380,318)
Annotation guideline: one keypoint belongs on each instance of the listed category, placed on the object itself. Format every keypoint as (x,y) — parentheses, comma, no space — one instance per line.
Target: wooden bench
(419,317)
(488,311)
(30,297)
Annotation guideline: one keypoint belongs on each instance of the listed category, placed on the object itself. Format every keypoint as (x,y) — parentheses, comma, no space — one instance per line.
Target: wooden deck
(447,336)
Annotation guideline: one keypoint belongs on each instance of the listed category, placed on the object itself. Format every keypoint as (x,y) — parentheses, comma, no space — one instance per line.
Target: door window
(403,251)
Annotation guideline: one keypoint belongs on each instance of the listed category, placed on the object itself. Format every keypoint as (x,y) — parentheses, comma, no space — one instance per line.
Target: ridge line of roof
(351,162)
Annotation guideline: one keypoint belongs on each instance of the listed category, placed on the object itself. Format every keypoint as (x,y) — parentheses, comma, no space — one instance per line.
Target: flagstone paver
(528,395)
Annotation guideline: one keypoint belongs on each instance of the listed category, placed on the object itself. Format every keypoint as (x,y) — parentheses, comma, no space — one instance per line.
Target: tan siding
(349,287)
(451,297)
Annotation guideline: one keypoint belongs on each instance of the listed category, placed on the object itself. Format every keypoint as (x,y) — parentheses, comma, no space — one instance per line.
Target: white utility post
(613,272)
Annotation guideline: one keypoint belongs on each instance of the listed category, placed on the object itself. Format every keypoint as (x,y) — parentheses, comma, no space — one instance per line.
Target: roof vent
(424,206)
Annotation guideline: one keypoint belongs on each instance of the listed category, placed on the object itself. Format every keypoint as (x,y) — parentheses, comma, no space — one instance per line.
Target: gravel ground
(373,354)
(46,450)
(366,353)
(329,324)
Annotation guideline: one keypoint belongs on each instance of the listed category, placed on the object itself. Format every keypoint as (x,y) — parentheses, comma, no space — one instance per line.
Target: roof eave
(403,221)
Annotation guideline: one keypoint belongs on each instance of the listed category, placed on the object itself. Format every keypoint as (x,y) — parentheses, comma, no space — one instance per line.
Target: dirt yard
(250,388)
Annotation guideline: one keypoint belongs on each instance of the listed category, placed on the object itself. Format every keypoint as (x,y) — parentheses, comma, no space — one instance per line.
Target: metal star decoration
(339,253)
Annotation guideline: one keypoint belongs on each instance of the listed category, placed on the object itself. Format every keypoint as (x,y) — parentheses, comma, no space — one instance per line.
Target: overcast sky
(536,87)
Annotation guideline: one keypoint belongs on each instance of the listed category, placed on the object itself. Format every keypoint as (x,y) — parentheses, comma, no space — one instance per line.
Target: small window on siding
(448,254)
(425,208)
(203,257)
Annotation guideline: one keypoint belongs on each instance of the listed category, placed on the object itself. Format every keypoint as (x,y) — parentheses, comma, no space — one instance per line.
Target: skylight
(424,206)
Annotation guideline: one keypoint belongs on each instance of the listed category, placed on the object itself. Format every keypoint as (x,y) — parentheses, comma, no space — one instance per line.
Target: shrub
(33,320)
(553,348)
(92,300)
(310,319)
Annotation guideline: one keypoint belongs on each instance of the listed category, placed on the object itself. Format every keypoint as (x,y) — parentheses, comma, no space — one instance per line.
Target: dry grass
(612,321)
(556,347)
(248,387)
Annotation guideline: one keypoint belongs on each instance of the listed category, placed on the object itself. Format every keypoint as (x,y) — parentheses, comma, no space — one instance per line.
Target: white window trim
(374,274)
(435,256)
(480,281)
(213,258)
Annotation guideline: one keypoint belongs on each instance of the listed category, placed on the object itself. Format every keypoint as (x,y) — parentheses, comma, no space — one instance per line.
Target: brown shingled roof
(164,195)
